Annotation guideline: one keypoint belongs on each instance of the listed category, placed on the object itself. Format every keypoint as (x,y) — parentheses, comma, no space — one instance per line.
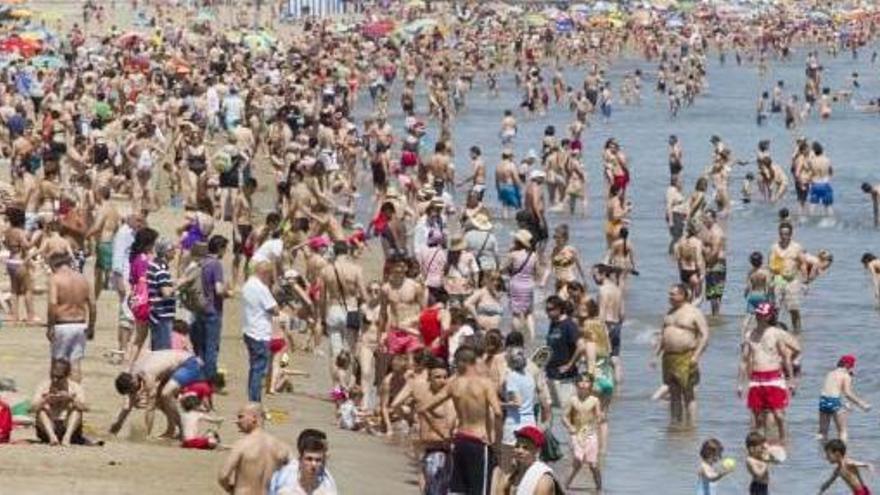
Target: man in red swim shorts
(766,361)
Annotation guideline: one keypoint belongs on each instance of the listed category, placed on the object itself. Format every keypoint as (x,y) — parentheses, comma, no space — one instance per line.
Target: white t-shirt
(258,302)
(270,250)
(285,481)
(455,340)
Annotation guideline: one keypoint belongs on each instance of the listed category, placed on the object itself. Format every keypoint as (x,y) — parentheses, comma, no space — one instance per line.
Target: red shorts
(767,391)
(402,342)
(201,389)
(277,345)
(864,490)
(621,181)
(201,443)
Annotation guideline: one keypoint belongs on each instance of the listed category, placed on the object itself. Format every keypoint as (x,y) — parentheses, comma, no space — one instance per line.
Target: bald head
(264,270)
(250,417)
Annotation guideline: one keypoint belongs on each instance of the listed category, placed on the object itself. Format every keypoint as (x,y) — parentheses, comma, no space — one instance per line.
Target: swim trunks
(759,488)
(105,255)
(829,405)
(685,275)
(614,328)
(767,391)
(201,443)
(509,196)
(716,276)
(472,465)
(69,341)
(585,447)
(821,193)
(189,372)
(436,468)
(401,342)
(754,299)
(604,382)
(679,370)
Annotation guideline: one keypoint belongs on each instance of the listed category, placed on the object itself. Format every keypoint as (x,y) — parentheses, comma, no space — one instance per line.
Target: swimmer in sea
(838,386)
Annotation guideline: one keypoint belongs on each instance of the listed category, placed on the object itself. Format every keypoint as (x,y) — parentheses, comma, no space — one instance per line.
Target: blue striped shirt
(158,276)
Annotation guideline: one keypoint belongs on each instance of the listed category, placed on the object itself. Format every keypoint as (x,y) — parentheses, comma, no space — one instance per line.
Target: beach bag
(551,451)
(139,301)
(192,290)
(5,422)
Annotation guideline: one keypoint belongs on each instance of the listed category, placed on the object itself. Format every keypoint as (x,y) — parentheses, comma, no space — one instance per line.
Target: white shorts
(69,341)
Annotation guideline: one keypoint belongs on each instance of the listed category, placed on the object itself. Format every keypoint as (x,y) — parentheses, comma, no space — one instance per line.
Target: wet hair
(217,243)
(817,148)
(476,150)
(555,301)
(786,225)
(190,402)
(711,448)
(465,356)
(756,259)
(562,229)
(126,383)
(750,176)
(836,446)
(311,440)
(755,438)
(702,184)
(867,258)
(514,339)
(681,287)
(343,359)
(866,187)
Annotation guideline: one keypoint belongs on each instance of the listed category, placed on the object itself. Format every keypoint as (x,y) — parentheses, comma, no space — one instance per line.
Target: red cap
(532,433)
(848,361)
(319,242)
(765,310)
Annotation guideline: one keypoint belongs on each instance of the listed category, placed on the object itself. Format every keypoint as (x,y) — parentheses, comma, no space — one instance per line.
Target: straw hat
(457,244)
(524,237)
(537,174)
(481,221)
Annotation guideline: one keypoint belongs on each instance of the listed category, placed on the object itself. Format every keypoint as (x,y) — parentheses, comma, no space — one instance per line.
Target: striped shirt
(158,276)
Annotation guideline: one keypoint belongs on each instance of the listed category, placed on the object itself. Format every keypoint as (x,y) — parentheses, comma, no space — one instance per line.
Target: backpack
(139,301)
(192,290)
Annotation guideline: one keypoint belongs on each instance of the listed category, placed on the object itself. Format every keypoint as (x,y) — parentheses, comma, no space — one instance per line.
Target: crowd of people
(350,240)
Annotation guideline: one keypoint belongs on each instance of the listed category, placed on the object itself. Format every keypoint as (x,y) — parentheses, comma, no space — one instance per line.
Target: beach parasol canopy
(20,14)
(129,39)
(15,44)
(420,25)
(536,20)
(378,29)
(48,62)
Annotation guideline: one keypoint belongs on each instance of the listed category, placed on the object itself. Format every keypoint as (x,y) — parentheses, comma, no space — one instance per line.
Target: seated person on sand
(194,414)
(154,381)
(58,405)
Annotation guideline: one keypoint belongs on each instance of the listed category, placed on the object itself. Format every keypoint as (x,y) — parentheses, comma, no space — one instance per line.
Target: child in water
(581,417)
(845,468)
(758,463)
(708,475)
(748,185)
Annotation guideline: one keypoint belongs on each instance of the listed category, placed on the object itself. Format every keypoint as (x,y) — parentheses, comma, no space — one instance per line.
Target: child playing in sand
(838,385)
(708,475)
(193,415)
(758,463)
(581,417)
(845,468)
(278,377)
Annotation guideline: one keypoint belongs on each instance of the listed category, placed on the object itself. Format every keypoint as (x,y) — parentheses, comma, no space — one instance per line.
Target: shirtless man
(676,211)
(688,252)
(714,247)
(153,381)
(719,172)
(254,458)
(477,407)
(872,265)
(534,205)
(786,259)
(477,178)
(765,362)
(243,220)
(401,306)
(508,128)
(508,184)
(874,192)
(821,193)
(617,210)
(435,426)
(103,230)
(58,404)
(838,385)
(342,291)
(777,179)
(610,299)
(800,169)
(70,313)
(683,340)
(440,165)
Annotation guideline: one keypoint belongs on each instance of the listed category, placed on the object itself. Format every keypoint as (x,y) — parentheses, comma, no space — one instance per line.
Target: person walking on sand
(477,407)
(253,459)
(838,385)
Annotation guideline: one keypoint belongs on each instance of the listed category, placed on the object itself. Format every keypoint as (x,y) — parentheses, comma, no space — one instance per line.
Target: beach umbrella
(416,27)
(129,39)
(48,62)
(378,29)
(15,44)
(256,42)
(12,2)
(21,14)
(535,20)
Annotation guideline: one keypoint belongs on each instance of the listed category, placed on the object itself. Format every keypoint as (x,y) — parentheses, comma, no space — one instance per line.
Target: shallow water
(645,456)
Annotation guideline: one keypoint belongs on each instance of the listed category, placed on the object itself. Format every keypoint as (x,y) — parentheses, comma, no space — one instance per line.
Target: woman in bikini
(485,304)
(18,266)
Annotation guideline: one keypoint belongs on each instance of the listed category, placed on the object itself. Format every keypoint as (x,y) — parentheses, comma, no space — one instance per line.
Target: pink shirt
(432,261)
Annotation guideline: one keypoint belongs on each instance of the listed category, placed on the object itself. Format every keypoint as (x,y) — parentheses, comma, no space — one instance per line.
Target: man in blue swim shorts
(838,385)
(507,183)
(821,193)
(153,382)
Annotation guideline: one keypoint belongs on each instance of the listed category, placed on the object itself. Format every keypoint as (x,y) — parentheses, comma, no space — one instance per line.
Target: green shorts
(105,255)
